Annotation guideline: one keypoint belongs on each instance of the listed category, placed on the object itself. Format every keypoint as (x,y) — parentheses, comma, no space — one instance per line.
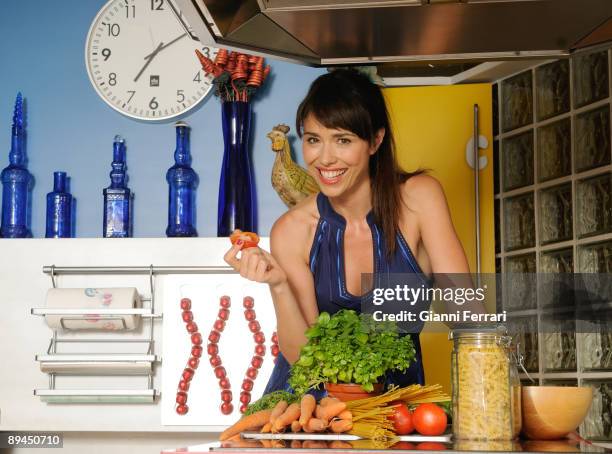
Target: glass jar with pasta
(486,385)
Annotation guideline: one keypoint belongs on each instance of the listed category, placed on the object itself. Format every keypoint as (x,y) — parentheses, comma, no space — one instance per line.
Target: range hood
(403,32)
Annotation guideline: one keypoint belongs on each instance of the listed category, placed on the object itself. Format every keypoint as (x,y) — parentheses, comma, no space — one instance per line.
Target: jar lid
(479,330)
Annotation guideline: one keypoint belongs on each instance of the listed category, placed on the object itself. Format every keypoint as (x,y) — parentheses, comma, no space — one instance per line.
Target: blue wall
(70,128)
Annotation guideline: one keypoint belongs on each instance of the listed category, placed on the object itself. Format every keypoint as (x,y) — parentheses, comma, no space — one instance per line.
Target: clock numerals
(112,29)
(206,51)
(180,95)
(106,53)
(133,92)
(157,5)
(112,79)
(153,104)
(130,11)
(198,77)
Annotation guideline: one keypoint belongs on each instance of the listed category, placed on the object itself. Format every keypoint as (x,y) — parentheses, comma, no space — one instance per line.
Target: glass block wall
(553,213)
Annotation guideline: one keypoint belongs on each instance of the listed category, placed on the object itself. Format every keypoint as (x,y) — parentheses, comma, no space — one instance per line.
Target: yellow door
(434,129)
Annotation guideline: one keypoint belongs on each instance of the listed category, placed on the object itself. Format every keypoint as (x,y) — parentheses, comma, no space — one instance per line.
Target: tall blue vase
(16,181)
(59,209)
(182,181)
(237,208)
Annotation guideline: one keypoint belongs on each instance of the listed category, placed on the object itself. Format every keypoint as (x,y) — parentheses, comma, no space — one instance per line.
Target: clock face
(141,60)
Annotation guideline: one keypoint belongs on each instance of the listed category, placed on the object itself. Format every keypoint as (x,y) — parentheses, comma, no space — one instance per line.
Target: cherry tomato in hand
(429,419)
(402,419)
(249,239)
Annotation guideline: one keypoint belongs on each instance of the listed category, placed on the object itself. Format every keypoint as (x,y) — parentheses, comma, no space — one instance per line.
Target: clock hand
(149,60)
(166,45)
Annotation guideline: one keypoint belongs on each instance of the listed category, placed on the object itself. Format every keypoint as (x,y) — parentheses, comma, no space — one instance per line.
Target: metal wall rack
(56,363)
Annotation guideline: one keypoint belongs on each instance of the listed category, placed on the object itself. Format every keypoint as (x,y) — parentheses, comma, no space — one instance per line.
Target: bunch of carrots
(307,416)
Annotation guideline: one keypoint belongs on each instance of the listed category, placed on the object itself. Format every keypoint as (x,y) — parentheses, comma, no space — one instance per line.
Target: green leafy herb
(350,348)
(269,401)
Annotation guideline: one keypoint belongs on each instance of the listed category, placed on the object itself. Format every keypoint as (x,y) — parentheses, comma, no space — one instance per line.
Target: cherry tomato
(248,302)
(220,372)
(245,397)
(187,374)
(219,325)
(223,314)
(185,304)
(251,373)
(182,409)
(192,327)
(193,362)
(227,408)
(181,398)
(429,419)
(275,337)
(256,362)
(431,446)
(183,385)
(187,316)
(259,337)
(224,383)
(196,338)
(254,326)
(226,395)
(225,302)
(212,349)
(402,419)
(213,337)
(215,361)
(249,314)
(247,384)
(249,239)
(243,408)
(275,349)
(260,349)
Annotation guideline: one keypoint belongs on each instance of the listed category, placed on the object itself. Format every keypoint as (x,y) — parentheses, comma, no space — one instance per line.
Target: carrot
(296,426)
(314,444)
(296,444)
(307,407)
(278,410)
(339,444)
(316,425)
(341,425)
(266,428)
(330,410)
(291,414)
(251,422)
(346,414)
(323,402)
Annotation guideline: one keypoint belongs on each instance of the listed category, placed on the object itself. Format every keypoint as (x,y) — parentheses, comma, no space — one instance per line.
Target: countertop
(526,446)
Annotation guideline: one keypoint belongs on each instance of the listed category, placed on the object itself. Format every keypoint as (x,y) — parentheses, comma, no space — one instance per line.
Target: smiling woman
(370,217)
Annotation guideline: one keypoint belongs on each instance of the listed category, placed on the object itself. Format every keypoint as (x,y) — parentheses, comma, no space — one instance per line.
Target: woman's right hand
(255,264)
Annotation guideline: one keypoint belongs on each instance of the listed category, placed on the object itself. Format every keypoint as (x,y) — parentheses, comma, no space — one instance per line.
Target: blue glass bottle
(182,181)
(59,209)
(16,182)
(118,199)
(237,208)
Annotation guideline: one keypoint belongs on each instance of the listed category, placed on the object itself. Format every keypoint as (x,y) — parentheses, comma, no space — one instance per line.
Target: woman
(370,217)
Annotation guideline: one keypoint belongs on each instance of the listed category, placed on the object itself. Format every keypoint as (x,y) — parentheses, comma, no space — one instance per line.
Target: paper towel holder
(131,364)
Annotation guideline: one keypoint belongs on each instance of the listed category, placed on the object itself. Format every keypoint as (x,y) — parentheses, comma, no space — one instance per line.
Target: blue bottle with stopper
(59,209)
(16,181)
(182,181)
(118,199)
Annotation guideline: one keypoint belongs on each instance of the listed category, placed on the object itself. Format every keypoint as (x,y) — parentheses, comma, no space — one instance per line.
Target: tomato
(431,446)
(429,419)
(250,239)
(402,419)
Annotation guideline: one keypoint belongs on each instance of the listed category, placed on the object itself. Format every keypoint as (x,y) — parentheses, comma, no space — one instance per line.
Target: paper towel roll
(93,298)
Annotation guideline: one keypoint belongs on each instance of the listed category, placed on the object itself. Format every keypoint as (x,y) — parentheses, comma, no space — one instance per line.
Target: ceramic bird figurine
(291,181)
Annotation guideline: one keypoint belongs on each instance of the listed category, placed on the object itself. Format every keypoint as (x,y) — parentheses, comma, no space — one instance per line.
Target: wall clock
(140,58)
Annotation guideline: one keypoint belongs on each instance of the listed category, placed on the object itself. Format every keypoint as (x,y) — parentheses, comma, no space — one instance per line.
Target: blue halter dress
(327,267)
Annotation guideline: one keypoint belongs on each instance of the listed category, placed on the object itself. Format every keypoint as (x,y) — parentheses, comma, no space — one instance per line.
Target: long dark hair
(347,99)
